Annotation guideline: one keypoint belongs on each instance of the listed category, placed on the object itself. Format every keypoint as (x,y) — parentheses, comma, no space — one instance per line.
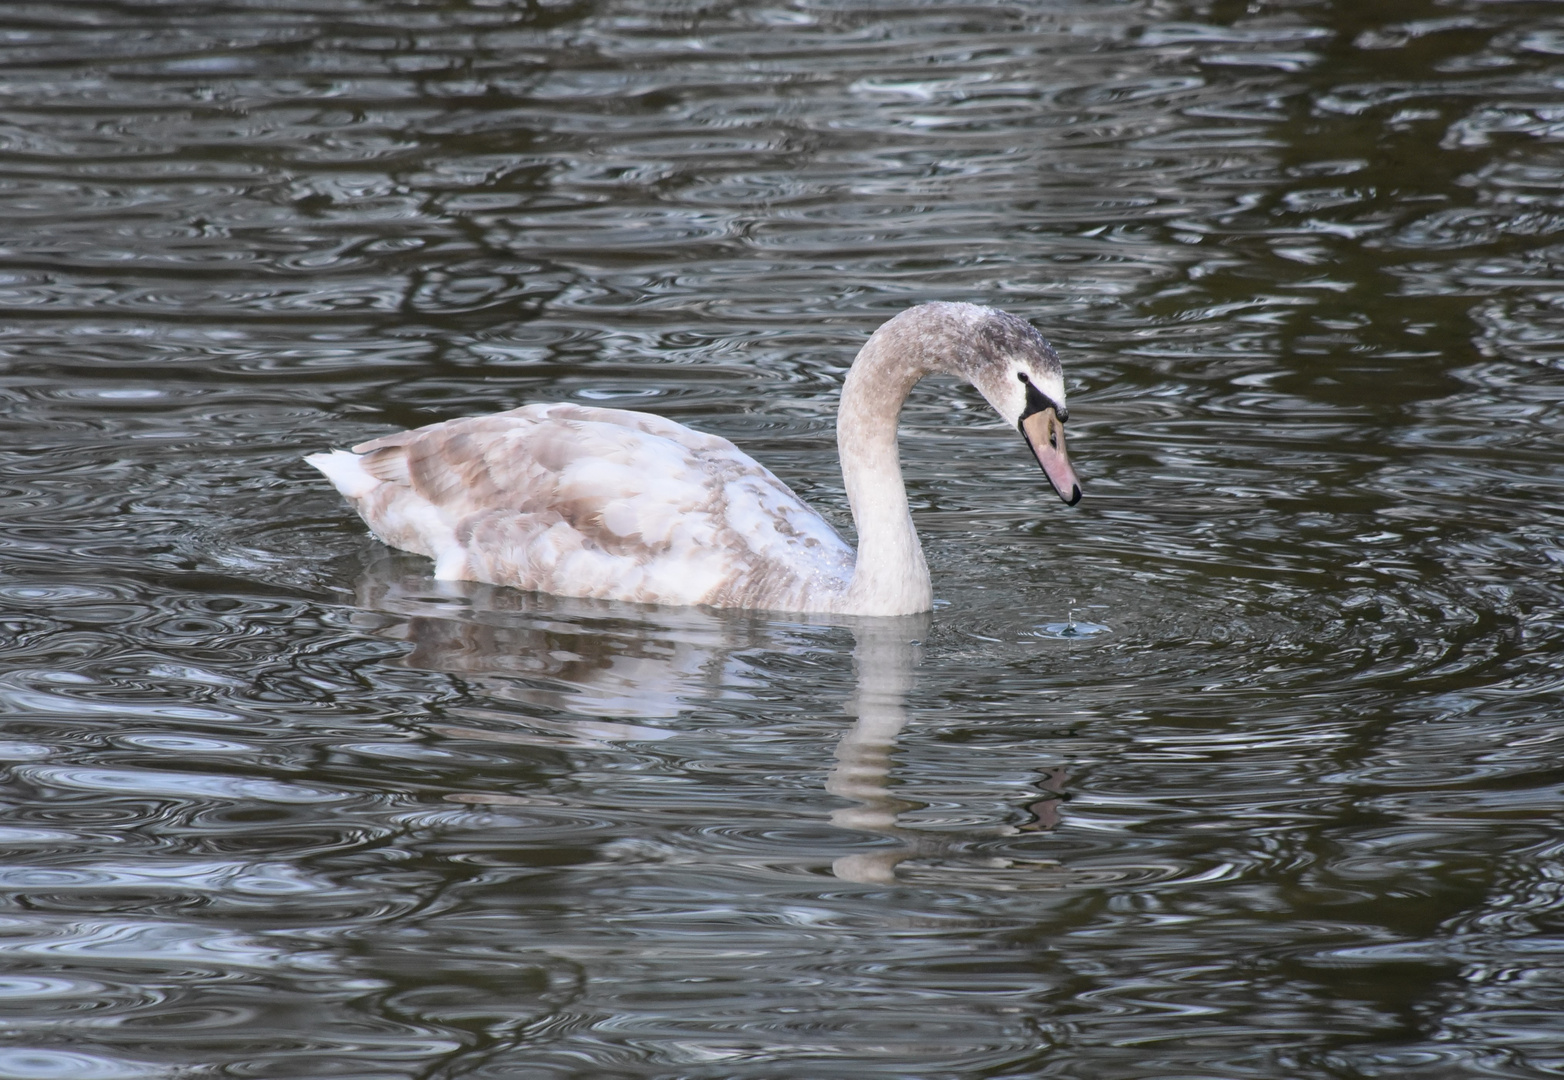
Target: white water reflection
(563,673)
(884,659)
(580,658)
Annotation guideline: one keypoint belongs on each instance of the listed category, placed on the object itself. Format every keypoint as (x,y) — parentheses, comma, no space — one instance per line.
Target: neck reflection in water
(885,657)
(581,675)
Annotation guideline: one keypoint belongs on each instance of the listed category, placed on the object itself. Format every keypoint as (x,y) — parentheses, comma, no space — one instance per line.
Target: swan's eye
(1022,376)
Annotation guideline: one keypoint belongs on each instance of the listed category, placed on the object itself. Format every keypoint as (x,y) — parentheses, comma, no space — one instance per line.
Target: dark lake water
(278,804)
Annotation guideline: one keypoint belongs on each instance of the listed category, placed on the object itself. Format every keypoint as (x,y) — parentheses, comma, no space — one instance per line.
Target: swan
(613,504)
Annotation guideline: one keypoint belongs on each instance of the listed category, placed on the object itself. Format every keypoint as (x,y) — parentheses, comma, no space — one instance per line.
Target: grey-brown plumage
(608,503)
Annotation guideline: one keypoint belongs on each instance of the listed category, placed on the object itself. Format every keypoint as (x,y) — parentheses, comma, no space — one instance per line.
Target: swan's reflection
(884,660)
(884,656)
(585,658)
(605,666)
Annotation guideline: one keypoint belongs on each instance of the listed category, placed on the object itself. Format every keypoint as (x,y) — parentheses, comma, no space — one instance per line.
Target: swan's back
(603,503)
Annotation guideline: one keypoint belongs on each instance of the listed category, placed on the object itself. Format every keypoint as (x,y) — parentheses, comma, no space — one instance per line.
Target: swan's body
(607,503)
(578,501)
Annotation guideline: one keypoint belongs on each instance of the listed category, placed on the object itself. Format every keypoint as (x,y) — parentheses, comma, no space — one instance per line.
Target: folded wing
(605,503)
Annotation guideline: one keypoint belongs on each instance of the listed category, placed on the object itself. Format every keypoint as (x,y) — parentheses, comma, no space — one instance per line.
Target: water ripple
(280,804)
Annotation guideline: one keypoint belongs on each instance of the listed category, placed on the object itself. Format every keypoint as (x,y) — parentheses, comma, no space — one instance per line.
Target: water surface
(278,804)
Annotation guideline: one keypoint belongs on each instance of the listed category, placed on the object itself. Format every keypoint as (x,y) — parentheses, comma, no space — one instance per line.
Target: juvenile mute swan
(620,505)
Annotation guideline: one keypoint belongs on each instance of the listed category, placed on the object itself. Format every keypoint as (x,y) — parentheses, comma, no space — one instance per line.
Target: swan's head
(1019,373)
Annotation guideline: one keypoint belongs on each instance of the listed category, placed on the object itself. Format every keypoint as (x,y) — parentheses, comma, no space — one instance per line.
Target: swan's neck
(890,576)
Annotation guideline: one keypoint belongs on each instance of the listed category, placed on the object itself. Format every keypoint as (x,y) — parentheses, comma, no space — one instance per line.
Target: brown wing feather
(578,501)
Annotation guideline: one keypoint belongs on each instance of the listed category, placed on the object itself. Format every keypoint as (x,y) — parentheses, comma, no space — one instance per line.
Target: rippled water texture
(1287,804)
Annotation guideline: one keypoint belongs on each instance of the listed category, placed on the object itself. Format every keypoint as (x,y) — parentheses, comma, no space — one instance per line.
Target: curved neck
(890,576)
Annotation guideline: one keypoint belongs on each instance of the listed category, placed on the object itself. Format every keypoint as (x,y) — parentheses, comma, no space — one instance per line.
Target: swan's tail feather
(345,471)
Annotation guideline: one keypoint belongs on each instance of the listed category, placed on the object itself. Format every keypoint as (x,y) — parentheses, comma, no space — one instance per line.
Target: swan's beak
(1044,433)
